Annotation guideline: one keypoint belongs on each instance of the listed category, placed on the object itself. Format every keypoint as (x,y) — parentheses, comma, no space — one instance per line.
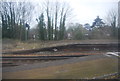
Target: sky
(85,11)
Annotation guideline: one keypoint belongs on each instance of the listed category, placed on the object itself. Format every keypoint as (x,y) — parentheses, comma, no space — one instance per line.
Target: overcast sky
(85,11)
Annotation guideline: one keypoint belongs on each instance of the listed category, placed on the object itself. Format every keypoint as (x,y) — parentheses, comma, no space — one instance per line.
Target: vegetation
(54,28)
(15,45)
(41,28)
(15,19)
(85,69)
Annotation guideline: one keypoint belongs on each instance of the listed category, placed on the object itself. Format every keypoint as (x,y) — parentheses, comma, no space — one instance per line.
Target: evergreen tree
(97,22)
(13,17)
(41,27)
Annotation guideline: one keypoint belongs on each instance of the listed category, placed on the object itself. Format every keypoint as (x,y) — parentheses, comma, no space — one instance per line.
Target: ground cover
(85,69)
(15,45)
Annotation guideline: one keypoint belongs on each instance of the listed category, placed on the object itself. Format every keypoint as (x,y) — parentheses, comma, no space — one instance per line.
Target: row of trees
(98,30)
(51,22)
(53,28)
(14,16)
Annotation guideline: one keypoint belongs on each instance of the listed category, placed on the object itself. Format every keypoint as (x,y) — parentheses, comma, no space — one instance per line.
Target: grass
(15,45)
(85,69)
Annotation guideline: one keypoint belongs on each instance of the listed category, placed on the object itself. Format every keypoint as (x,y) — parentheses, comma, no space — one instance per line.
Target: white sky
(85,11)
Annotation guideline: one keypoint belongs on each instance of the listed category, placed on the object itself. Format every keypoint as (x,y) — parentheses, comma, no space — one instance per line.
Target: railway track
(72,50)
(59,52)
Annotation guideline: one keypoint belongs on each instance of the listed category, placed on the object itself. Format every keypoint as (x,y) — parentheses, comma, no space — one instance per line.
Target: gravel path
(52,63)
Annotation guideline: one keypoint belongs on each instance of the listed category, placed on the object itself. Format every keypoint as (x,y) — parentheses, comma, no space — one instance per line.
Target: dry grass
(15,45)
(86,69)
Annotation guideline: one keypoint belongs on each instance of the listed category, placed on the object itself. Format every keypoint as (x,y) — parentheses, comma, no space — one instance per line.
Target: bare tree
(56,14)
(111,20)
(56,19)
(14,15)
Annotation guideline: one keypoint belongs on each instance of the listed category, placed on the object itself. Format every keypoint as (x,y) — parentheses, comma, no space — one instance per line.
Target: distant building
(119,14)
(69,35)
(87,26)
